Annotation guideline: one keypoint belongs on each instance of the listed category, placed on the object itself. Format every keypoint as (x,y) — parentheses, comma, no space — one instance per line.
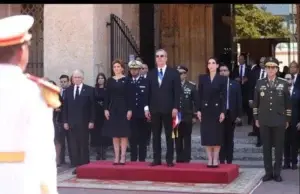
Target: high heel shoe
(215,164)
(123,163)
(209,164)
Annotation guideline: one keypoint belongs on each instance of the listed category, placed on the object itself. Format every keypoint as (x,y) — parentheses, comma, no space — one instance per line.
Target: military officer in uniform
(272,113)
(138,123)
(188,100)
(27,155)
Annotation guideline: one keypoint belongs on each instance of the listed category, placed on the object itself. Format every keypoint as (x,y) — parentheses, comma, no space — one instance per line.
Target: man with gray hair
(163,105)
(78,118)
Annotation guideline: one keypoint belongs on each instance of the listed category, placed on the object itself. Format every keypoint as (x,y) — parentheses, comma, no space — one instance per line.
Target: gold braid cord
(49,91)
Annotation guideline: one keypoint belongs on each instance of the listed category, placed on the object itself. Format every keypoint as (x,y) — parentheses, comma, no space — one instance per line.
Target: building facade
(89,37)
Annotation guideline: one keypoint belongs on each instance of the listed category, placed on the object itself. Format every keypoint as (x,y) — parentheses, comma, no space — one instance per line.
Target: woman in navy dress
(98,141)
(118,111)
(211,111)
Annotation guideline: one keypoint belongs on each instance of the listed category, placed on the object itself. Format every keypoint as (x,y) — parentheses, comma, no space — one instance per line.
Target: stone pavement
(246,154)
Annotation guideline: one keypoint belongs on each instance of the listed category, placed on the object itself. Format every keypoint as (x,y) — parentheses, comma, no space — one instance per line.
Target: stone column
(68,40)
(77,37)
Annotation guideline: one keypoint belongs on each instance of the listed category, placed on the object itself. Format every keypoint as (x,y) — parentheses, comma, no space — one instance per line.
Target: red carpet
(137,171)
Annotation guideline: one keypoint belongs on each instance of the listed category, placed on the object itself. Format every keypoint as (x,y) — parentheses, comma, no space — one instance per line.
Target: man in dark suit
(64,135)
(163,105)
(291,143)
(294,70)
(258,73)
(233,115)
(241,74)
(79,116)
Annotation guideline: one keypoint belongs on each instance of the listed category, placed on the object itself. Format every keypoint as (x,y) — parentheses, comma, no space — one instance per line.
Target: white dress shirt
(291,89)
(75,88)
(262,73)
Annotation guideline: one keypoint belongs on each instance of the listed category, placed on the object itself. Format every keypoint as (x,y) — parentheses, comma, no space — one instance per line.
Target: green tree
(254,22)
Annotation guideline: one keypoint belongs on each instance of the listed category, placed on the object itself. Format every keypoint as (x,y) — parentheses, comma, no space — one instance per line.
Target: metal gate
(36,53)
(122,42)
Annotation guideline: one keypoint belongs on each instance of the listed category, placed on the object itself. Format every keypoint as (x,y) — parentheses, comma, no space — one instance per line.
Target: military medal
(262,94)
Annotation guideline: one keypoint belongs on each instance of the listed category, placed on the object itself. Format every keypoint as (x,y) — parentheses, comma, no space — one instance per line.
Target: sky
(278,9)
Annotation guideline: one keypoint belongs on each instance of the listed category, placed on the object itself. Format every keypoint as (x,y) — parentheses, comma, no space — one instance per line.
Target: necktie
(262,74)
(63,93)
(241,71)
(227,97)
(77,92)
(160,75)
(271,83)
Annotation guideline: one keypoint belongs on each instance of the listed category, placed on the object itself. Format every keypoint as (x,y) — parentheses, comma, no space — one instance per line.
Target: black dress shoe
(294,166)
(286,166)
(267,177)
(170,164)
(155,164)
(277,178)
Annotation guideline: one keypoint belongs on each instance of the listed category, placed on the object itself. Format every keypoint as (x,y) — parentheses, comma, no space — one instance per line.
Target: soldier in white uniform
(27,152)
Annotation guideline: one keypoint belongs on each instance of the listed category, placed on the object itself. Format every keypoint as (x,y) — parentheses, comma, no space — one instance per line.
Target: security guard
(27,154)
(188,98)
(272,112)
(139,134)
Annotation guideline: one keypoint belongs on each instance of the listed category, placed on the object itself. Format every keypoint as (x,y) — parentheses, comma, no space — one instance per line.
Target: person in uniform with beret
(272,113)
(138,123)
(188,99)
(27,155)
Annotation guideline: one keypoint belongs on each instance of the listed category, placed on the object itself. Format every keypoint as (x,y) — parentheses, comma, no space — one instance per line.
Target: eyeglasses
(223,70)
(181,73)
(160,56)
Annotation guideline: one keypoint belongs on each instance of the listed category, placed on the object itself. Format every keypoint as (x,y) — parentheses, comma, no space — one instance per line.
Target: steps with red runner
(140,171)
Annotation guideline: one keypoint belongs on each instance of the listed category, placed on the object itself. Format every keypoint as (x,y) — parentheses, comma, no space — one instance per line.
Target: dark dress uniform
(212,102)
(138,123)
(271,107)
(118,103)
(188,99)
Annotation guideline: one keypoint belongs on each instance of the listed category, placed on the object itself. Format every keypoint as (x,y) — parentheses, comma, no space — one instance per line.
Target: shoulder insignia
(282,79)
(50,91)
(192,82)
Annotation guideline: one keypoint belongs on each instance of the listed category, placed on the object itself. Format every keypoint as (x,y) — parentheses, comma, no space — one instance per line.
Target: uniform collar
(10,68)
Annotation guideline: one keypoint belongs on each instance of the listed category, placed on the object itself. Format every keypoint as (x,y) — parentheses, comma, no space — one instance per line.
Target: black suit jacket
(235,100)
(58,115)
(81,111)
(164,98)
(253,77)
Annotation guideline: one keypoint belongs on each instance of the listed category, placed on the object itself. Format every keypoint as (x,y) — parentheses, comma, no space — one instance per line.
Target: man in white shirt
(27,152)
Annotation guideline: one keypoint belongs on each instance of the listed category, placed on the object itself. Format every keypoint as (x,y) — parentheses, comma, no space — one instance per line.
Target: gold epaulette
(50,91)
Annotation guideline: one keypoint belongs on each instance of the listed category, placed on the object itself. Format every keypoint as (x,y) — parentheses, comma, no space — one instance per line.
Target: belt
(12,157)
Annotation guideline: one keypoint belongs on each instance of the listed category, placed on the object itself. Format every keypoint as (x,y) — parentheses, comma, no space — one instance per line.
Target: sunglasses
(160,56)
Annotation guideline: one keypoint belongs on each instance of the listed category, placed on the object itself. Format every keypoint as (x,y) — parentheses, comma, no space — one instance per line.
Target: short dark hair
(64,76)
(8,52)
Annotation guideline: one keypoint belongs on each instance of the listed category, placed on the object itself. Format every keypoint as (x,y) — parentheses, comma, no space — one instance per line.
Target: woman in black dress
(211,111)
(118,111)
(98,141)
